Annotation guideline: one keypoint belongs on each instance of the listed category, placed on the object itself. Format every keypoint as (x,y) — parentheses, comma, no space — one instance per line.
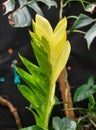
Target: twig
(65,94)
(61,10)
(92,122)
(12,109)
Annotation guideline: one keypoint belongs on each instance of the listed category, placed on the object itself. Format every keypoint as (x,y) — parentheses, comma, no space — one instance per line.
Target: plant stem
(66,94)
(72,16)
(68,1)
(80,119)
(12,109)
(91,99)
(61,10)
(77,31)
(92,122)
(49,105)
(82,2)
(78,108)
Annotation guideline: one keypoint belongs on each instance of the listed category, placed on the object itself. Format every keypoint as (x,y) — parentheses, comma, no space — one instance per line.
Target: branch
(66,94)
(12,109)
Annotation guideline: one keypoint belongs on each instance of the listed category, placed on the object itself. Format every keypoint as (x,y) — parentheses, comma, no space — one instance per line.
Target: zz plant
(52,51)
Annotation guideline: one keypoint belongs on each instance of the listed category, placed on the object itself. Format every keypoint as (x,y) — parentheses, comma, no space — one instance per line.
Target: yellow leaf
(61,61)
(60,31)
(43,27)
(61,24)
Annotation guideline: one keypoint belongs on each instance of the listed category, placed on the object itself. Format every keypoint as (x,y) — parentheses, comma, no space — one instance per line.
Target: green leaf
(44,44)
(38,117)
(91,81)
(22,2)
(49,3)
(32,128)
(91,101)
(83,92)
(72,126)
(82,21)
(29,95)
(90,7)
(63,124)
(32,68)
(42,60)
(39,90)
(20,18)
(56,123)
(35,84)
(8,6)
(35,7)
(90,35)
(37,80)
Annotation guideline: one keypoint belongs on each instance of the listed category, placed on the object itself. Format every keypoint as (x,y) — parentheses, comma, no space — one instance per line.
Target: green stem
(91,99)
(61,10)
(68,1)
(87,2)
(49,105)
(82,2)
(77,31)
(72,16)
(92,122)
(80,119)
(78,108)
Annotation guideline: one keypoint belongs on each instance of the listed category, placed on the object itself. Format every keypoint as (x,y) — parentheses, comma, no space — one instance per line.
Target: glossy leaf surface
(63,124)
(82,21)
(52,51)
(21,17)
(84,91)
(90,35)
